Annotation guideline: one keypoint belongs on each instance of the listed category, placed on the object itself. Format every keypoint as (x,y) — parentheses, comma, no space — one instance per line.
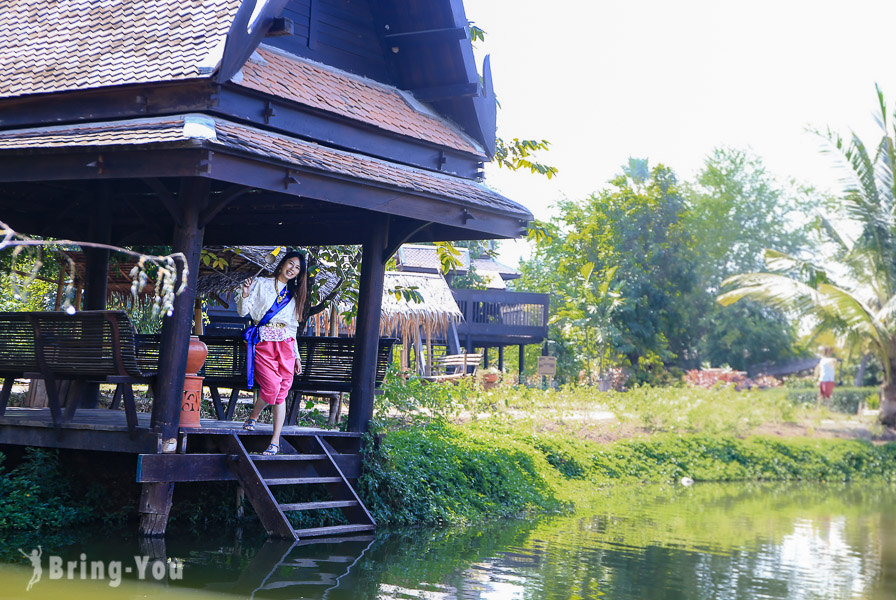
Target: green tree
(621,270)
(852,292)
(736,210)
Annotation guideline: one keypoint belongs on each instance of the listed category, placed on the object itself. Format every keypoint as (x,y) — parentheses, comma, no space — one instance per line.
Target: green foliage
(621,271)
(747,334)
(448,474)
(410,399)
(844,399)
(519,154)
(36,495)
(442,474)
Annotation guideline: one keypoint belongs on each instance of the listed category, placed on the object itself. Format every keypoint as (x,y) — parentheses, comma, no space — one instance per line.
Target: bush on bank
(445,473)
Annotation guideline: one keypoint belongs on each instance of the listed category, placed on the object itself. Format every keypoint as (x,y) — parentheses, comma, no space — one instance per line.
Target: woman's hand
(298,366)
(247,286)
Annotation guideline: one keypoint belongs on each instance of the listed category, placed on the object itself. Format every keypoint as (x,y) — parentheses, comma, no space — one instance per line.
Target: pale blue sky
(669,81)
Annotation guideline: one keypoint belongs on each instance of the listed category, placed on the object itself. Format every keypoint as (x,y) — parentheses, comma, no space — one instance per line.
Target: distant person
(275,305)
(826,371)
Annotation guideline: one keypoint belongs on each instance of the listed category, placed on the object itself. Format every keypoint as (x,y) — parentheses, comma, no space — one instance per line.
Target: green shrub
(35,495)
(442,473)
(844,399)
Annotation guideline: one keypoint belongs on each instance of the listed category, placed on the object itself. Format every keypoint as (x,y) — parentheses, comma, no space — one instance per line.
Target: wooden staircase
(307,461)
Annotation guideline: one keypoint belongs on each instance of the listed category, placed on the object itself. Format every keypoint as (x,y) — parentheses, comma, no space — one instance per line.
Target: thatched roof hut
(415,321)
(434,314)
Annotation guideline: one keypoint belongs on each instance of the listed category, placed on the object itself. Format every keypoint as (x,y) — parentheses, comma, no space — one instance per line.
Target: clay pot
(196,355)
(192,402)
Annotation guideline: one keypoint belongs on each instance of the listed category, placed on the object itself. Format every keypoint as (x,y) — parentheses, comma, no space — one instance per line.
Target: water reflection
(739,541)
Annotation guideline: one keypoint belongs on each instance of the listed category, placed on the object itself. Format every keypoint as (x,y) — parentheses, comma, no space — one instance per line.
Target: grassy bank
(446,473)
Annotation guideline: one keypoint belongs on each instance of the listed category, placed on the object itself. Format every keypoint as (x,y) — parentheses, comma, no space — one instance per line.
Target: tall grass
(651,409)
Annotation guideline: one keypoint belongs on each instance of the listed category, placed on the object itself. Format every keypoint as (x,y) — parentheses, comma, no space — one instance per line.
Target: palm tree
(852,294)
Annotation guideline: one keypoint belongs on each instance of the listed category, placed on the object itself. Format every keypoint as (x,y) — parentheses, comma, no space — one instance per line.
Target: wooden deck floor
(104,429)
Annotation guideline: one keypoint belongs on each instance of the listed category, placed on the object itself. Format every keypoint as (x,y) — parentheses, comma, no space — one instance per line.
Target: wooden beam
(241,42)
(399,236)
(428,36)
(212,467)
(367,331)
(167,199)
(221,202)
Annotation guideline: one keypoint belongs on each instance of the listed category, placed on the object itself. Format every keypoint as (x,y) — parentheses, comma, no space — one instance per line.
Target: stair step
(318,505)
(301,480)
(287,457)
(334,530)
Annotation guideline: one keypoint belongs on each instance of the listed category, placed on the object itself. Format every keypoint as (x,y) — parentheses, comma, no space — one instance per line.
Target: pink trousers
(275,364)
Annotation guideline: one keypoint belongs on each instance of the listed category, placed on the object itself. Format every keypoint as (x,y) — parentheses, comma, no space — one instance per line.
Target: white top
(261,297)
(826,369)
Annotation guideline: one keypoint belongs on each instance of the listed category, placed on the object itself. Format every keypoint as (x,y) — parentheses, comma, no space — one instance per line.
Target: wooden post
(155,503)
(198,324)
(367,336)
(176,329)
(522,361)
(96,276)
(501,358)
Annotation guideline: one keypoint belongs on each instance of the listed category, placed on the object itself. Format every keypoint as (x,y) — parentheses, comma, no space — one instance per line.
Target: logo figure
(34,557)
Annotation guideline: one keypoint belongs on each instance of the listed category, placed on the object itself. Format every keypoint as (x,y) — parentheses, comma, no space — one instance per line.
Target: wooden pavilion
(301,122)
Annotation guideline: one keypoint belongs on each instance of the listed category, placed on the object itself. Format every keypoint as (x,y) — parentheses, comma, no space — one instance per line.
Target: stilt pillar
(177,328)
(367,333)
(96,278)
(155,503)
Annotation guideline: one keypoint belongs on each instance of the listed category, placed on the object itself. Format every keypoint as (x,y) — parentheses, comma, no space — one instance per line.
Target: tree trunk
(888,403)
(860,373)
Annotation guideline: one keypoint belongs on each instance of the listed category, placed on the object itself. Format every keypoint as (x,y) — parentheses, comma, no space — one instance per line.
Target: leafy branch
(518,154)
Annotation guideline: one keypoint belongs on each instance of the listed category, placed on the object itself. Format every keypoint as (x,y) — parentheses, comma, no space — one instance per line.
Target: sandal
(249,425)
(273,449)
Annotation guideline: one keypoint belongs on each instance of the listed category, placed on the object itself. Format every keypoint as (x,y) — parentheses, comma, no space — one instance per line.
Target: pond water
(708,541)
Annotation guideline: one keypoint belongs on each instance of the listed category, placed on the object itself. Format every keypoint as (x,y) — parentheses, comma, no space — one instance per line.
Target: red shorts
(826,388)
(275,364)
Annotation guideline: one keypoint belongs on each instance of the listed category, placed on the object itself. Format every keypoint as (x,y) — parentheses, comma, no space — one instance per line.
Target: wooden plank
(334,530)
(301,480)
(153,467)
(317,505)
(80,439)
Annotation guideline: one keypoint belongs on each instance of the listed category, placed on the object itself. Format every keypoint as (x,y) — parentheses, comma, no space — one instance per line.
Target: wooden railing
(499,315)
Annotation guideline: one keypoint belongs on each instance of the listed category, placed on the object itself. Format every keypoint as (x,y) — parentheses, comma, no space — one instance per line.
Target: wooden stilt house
(183,123)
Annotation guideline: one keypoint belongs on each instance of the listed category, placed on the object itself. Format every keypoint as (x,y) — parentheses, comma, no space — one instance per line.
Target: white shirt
(826,370)
(261,297)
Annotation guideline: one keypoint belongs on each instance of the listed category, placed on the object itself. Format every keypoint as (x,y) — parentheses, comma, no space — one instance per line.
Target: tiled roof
(414,258)
(365,100)
(186,130)
(489,264)
(77,44)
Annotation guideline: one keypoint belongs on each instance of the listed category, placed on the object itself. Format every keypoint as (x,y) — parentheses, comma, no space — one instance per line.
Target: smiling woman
(275,305)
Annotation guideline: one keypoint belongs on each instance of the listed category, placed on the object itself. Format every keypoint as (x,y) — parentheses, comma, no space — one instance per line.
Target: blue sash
(252,335)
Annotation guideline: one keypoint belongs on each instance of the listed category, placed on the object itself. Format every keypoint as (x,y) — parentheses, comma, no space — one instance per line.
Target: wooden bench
(326,367)
(451,367)
(89,346)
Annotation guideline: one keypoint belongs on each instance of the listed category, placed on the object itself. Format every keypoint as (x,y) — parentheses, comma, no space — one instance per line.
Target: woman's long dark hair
(298,285)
